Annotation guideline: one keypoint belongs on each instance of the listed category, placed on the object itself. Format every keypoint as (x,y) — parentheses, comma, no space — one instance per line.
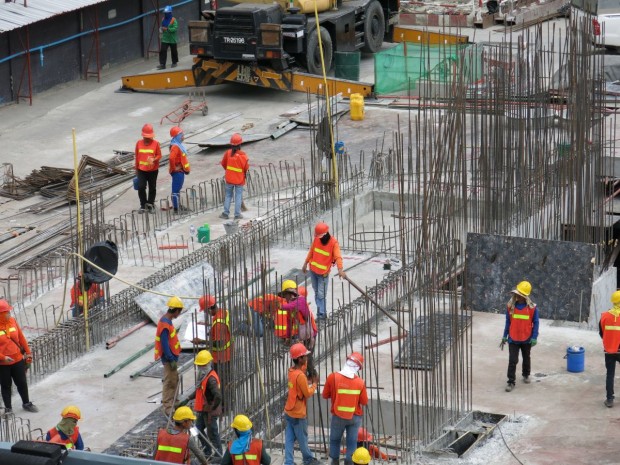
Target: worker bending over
(175,443)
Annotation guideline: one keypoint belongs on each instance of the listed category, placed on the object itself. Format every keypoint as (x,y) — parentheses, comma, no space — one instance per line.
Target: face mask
(325,239)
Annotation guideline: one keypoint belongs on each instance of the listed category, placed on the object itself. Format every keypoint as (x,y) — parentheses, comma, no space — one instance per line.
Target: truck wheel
(314,54)
(374,28)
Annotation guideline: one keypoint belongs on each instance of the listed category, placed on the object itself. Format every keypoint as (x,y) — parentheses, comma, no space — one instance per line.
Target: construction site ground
(558,418)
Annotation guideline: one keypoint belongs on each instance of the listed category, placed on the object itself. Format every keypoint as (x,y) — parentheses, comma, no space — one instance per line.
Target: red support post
(94,48)
(154,32)
(26,69)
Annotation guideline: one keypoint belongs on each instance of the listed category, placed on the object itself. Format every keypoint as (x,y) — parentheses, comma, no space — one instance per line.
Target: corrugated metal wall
(60,54)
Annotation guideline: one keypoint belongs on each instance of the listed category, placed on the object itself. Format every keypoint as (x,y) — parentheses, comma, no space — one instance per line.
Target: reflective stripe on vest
(247,457)
(235,169)
(612,328)
(319,266)
(176,450)
(11,330)
(518,316)
(225,322)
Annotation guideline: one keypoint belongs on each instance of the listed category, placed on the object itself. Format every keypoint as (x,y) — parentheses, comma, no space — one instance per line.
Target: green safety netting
(401,68)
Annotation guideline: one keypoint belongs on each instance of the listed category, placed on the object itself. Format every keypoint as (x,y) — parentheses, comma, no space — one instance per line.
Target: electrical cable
(507,446)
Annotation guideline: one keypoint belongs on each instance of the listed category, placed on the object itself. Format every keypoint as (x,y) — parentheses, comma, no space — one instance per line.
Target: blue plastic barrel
(575,359)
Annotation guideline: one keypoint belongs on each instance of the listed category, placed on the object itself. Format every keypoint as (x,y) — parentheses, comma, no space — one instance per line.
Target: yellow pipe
(80,235)
(329,110)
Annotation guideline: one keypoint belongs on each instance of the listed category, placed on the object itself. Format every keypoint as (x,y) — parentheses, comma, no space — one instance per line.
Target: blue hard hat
(168,9)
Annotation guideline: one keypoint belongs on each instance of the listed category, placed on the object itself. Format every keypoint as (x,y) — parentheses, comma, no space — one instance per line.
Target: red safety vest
(12,342)
(345,399)
(201,399)
(175,345)
(220,331)
(236,166)
(69,442)
(322,259)
(147,156)
(521,323)
(172,447)
(611,332)
(177,163)
(284,318)
(251,457)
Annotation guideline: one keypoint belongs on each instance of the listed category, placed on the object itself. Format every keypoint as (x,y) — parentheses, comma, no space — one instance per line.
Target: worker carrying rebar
(348,395)
(208,404)
(609,330)
(245,450)
(175,444)
(67,432)
(94,294)
(323,253)
(286,323)
(295,409)
(167,349)
(520,332)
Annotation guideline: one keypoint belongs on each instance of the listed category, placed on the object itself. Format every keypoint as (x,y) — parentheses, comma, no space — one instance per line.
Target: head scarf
(242,443)
(176,140)
(67,426)
(350,369)
(167,19)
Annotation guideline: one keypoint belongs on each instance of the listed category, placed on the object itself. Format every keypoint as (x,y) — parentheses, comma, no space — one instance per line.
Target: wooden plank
(419,36)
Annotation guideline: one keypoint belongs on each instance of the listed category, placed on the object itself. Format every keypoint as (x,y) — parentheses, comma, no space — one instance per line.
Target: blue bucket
(575,359)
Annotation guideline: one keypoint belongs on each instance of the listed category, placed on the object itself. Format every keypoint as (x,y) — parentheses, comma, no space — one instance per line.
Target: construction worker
(148,154)
(520,331)
(323,253)
(365,441)
(208,405)
(304,325)
(15,358)
(178,165)
(94,294)
(361,456)
(348,395)
(295,409)
(167,349)
(168,29)
(66,432)
(244,450)
(285,324)
(235,163)
(174,444)
(609,329)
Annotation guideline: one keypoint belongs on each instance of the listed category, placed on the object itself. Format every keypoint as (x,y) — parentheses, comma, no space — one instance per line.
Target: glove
(503,343)
(533,342)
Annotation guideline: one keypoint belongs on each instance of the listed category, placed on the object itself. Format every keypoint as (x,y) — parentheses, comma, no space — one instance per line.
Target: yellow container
(307,6)
(357,107)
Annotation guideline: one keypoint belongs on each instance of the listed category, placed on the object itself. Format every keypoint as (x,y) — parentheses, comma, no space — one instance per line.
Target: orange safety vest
(177,163)
(147,156)
(69,442)
(322,259)
(295,400)
(251,457)
(220,332)
(175,345)
(345,401)
(172,447)
(201,399)
(12,342)
(266,305)
(611,332)
(521,323)
(93,293)
(284,318)
(235,166)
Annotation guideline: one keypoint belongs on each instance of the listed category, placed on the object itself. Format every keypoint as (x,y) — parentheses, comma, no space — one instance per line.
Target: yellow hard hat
(71,411)
(175,302)
(289,284)
(524,288)
(615,297)
(241,423)
(361,456)
(183,413)
(203,357)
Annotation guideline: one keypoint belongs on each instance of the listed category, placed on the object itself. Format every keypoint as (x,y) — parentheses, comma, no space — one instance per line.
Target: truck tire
(313,55)
(374,28)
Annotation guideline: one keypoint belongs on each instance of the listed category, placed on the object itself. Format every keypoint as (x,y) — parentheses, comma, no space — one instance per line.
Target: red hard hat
(320,229)
(175,131)
(147,131)
(5,306)
(301,290)
(357,358)
(236,139)
(363,435)
(298,350)
(206,301)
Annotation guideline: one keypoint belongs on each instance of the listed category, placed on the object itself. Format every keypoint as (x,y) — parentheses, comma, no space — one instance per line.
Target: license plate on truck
(234,40)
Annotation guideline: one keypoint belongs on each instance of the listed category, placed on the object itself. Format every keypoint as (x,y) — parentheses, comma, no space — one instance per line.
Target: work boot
(526,380)
(510,387)
(141,210)
(8,410)
(224,216)
(173,65)
(334,461)
(30,407)
(161,67)
(609,403)
(239,216)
